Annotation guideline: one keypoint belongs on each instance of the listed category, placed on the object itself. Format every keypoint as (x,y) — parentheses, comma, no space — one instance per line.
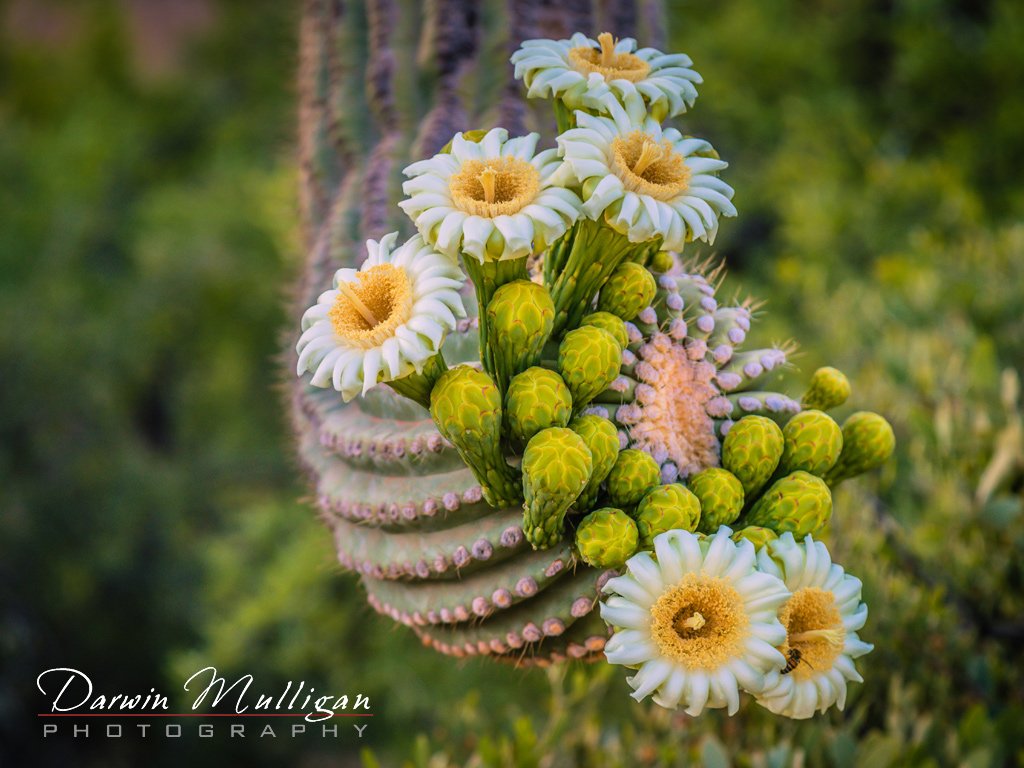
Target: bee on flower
(697,621)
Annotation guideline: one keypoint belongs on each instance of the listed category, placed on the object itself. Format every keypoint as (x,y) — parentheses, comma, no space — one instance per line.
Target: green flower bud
(609,322)
(721,498)
(633,475)
(474,136)
(602,438)
(868,440)
(666,508)
(799,503)
(556,467)
(812,443)
(520,316)
(751,451)
(466,406)
(661,262)
(588,359)
(606,538)
(536,399)
(756,535)
(630,289)
(829,388)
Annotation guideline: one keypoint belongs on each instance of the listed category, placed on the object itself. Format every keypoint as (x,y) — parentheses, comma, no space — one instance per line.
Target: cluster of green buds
(599,390)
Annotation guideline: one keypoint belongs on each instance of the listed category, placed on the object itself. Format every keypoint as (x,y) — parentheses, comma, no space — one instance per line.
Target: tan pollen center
(607,63)
(498,187)
(676,419)
(368,310)
(649,167)
(700,622)
(814,627)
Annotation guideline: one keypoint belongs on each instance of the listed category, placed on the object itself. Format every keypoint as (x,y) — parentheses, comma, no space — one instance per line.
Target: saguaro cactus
(381,83)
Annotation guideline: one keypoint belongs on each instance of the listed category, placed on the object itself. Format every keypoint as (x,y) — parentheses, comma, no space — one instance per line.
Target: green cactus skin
(779,408)
(829,388)
(475,595)
(546,617)
(751,451)
(602,438)
(589,360)
(721,498)
(536,399)
(607,538)
(609,322)
(630,288)
(634,474)
(556,468)
(583,640)
(756,535)
(799,503)
(868,440)
(813,442)
(466,406)
(666,508)
(520,318)
(590,255)
(443,554)
(754,368)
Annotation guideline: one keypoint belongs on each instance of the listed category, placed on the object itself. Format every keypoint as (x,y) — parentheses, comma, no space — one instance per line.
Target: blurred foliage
(152,522)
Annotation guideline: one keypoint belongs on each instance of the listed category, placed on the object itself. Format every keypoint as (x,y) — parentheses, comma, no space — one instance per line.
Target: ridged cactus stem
(417,386)
(487,278)
(771,404)
(596,252)
(751,369)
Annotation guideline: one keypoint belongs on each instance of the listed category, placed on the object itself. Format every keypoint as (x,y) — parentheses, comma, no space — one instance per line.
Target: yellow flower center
(367,311)
(606,62)
(649,167)
(814,628)
(498,187)
(700,622)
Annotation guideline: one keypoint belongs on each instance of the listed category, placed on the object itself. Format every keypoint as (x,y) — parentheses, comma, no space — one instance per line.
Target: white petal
(645,571)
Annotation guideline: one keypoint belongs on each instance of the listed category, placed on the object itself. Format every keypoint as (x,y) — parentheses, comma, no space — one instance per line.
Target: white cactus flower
(493,199)
(821,619)
(644,181)
(382,321)
(581,72)
(697,620)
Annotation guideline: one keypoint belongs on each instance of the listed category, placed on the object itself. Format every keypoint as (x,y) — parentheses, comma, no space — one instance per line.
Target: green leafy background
(153,520)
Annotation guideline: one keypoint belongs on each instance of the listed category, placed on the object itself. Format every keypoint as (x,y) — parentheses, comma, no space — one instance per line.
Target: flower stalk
(418,385)
(488,277)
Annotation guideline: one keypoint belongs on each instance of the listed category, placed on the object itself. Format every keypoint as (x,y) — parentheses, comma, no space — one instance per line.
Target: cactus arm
(774,405)
(478,595)
(442,554)
(583,641)
(548,615)
(750,369)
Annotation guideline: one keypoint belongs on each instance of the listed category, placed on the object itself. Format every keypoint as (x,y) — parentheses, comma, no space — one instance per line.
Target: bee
(793,659)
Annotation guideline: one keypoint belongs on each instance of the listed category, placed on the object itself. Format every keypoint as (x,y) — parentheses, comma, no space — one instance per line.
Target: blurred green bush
(151,515)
